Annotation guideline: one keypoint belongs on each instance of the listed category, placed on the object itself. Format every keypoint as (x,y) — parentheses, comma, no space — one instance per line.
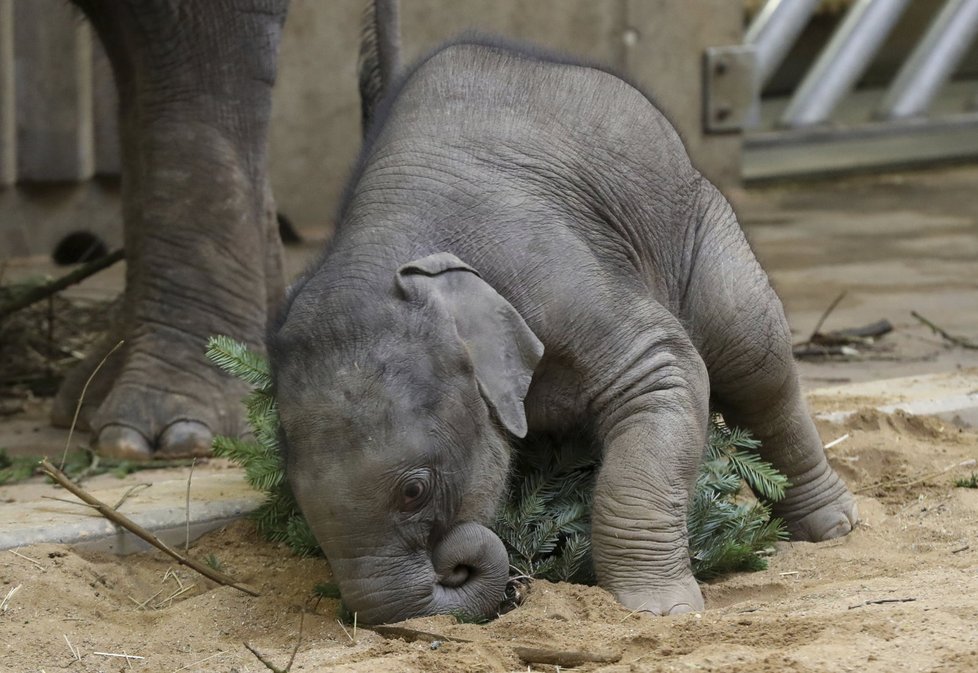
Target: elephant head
(395,405)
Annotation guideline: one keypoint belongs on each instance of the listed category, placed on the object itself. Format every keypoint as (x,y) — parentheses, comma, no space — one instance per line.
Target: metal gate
(825,125)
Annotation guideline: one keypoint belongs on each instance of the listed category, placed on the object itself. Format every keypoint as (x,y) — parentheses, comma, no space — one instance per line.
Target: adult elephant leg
(653,418)
(195,95)
(742,333)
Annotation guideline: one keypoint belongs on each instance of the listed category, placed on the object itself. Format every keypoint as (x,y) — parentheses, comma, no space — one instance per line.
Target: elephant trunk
(471,568)
(465,575)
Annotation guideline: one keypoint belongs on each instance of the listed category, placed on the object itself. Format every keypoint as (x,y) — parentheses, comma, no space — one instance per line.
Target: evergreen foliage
(967,482)
(728,533)
(545,519)
(278,518)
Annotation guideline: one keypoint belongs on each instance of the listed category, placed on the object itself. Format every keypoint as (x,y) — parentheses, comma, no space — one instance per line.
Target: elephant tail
(380,47)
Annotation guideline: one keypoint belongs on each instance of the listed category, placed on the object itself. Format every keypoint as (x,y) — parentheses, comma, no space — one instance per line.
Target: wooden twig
(410,635)
(137,530)
(258,655)
(26,558)
(41,292)
(70,502)
(881,601)
(564,658)
(81,398)
(529,655)
(298,641)
(129,492)
(199,661)
(810,350)
(826,313)
(5,603)
(864,335)
(186,545)
(120,656)
(913,482)
(957,341)
(168,601)
(71,648)
(272,667)
(342,626)
(837,441)
(142,606)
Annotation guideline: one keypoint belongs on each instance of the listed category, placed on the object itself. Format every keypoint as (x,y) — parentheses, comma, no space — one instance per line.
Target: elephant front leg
(202,253)
(653,443)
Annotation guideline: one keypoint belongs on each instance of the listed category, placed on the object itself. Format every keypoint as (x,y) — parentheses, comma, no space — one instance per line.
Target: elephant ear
(503,348)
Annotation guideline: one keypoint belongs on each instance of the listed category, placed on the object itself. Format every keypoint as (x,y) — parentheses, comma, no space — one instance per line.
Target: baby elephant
(525,247)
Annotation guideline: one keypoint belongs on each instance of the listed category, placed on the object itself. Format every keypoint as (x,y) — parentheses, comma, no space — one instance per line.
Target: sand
(899,593)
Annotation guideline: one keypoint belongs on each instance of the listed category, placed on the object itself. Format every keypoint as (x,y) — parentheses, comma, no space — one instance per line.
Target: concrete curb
(216,499)
(952,397)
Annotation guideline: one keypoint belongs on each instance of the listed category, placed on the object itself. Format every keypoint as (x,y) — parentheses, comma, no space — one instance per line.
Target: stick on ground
(957,341)
(81,399)
(186,546)
(269,665)
(41,292)
(826,313)
(563,658)
(137,530)
(882,601)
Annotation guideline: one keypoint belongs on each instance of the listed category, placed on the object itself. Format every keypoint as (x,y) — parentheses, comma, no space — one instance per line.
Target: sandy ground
(899,593)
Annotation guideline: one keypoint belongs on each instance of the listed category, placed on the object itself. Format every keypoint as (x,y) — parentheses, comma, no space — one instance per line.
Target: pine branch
(236,359)
(762,478)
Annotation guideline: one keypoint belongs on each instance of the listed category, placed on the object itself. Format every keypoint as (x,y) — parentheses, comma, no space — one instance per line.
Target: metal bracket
(728,87)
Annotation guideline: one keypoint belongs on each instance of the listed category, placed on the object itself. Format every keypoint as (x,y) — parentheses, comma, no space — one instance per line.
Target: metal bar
(932,61)
(793,153)
(843,61)
(775,30)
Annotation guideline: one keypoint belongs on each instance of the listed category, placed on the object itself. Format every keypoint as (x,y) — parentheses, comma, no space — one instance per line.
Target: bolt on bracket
(728,87)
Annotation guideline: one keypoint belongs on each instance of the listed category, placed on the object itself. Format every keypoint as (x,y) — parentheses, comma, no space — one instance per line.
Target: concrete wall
(315,130)
(659,43)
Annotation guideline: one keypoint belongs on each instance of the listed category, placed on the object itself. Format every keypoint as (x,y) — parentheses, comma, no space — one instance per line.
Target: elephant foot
(166,404)
(179,439)
(675,599)
(821,508)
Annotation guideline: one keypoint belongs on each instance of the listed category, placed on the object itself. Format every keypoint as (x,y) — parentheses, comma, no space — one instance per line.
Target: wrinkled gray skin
(202,249)
(517,218)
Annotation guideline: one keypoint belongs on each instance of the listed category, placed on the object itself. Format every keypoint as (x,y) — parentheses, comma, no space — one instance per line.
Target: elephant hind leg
(739,327)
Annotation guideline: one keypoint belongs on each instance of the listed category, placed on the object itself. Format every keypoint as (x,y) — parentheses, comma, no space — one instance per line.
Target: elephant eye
(414,492)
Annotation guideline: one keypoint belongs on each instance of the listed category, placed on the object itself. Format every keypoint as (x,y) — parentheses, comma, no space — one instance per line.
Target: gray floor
(894,243)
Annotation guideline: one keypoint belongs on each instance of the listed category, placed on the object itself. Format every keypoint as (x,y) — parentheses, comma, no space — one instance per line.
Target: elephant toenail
(680,609)
(838,530)
(186,438)
(122,442)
